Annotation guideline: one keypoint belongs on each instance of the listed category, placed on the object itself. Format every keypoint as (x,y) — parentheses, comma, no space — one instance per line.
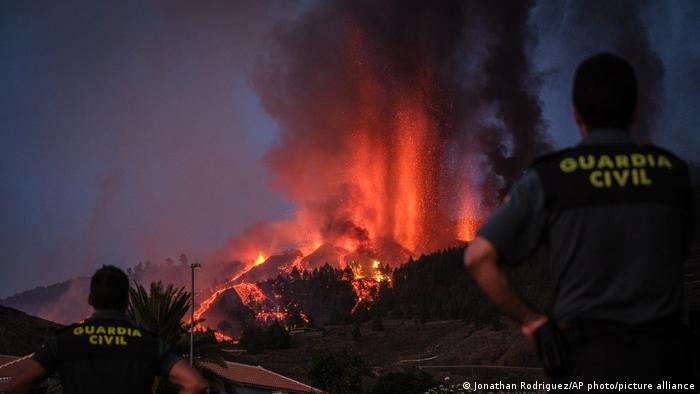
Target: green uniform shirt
(616,217)
(107,354)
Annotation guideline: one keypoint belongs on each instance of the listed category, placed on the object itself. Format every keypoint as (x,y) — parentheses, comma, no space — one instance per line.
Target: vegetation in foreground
(162,310)
(432,287)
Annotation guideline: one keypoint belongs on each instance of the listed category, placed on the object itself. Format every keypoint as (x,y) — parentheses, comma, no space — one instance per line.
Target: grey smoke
(131,131)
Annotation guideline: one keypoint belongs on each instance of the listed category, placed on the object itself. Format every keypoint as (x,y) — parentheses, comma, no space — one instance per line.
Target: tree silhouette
(338,371)
(162,310)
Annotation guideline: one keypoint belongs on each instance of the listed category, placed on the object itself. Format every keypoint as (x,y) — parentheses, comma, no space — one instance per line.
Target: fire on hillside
(390,145)
(367,275)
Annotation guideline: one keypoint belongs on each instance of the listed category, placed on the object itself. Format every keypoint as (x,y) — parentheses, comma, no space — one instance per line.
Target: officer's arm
(31,373)
(481,258)
(511,234)
(187,378)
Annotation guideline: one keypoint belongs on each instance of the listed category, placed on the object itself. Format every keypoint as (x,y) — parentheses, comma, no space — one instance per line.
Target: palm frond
(162,311)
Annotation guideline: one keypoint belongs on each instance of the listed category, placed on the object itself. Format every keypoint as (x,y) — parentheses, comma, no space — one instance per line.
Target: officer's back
(106,347)
(616,217)
(107,353)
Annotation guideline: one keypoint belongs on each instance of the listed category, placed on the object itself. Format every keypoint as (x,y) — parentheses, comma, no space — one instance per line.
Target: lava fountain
(400,127)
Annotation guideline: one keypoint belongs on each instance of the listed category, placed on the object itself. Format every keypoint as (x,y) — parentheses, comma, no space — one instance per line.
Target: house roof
(21,333)
(9,365)
(257,376)
(242,374)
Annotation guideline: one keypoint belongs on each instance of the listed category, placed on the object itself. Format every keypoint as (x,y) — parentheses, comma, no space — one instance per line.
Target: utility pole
(193,267)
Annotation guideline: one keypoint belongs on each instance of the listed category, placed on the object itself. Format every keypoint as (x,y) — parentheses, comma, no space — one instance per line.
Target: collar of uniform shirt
(607,137)
(112,315)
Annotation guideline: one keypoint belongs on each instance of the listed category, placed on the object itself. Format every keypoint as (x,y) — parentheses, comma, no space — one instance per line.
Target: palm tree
(162,310)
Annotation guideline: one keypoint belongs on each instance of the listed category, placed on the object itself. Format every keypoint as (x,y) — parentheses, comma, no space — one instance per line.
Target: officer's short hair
(605,92)
(109,288)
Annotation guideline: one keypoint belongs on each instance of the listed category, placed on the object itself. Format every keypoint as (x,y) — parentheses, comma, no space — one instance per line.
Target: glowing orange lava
(260,259)
(375,191)
(380,276)
(366,288)
(250,293)
(204,305)
(393,179)
(270,316)
(222,337)
(469,222)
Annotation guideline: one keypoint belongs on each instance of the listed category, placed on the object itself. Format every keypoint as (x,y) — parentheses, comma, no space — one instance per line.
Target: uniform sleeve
(168,358)
(47,355)
(516,227)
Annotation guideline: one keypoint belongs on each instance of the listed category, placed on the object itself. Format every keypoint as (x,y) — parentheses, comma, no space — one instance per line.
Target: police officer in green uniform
(616,217)
(107,353)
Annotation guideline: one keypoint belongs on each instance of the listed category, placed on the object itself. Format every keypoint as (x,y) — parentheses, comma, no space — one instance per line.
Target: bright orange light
(222,337)
(356,270)
(310,247)
(250,293)
(379,276)
(468,223)
(391,189)
(204,305)
(304,317)
(270,316)
(260,259)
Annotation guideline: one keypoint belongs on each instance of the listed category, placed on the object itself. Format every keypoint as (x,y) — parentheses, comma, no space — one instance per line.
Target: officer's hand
(187,378)
(531,325)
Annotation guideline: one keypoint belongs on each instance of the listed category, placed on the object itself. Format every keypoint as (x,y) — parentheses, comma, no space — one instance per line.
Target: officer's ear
(579,121)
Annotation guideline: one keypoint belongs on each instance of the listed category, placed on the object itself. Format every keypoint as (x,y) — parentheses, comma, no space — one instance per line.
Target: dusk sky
(131,130)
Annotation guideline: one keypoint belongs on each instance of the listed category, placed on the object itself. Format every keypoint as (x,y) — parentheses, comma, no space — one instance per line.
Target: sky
(131,131)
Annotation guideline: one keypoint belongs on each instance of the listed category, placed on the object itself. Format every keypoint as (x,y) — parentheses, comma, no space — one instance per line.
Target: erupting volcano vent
(401,123)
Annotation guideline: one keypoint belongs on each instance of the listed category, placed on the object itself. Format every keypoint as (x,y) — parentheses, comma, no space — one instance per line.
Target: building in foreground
(249,379)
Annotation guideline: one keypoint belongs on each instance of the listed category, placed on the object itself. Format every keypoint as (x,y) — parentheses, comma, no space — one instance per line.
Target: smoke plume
(400,120)
(573,31)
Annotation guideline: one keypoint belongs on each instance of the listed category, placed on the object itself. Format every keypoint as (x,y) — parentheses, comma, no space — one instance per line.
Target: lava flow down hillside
(401,123)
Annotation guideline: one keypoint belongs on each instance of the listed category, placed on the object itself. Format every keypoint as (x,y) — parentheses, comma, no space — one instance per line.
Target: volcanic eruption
(400,124)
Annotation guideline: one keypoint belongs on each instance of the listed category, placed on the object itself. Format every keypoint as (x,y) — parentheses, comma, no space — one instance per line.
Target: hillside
(404,345)
(64,302)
